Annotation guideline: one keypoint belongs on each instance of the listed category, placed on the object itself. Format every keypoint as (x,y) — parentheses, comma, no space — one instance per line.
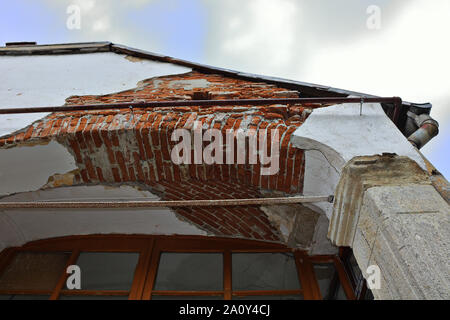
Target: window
(107,270)
(329,284)
(331,278)
(168,267)
(34,271)
(107,275)
(359,284)
(189,272)
(261,273)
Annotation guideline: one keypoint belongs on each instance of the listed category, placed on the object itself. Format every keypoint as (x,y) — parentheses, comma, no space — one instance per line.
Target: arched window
(168,267)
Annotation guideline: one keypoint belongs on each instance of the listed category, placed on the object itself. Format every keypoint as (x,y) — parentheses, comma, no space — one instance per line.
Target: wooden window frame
(358,283)
(150,248)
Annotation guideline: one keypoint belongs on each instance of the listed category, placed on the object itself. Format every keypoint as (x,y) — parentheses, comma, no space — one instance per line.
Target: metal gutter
(427,129)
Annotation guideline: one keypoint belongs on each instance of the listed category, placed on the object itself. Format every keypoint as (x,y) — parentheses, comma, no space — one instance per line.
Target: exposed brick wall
(235,221)
(119,146)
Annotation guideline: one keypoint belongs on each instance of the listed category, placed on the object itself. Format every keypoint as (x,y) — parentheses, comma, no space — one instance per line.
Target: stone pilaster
(387,210)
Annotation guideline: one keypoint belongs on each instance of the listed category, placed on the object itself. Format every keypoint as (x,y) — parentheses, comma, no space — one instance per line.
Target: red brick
(122,166)
(100,174)
(90,169)
(29,133)
(116,174)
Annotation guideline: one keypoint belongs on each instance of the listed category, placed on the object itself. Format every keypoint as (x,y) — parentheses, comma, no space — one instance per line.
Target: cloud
(106,20)
(320,41)
(410,58)
(328,43)
(251,30)
(278,37)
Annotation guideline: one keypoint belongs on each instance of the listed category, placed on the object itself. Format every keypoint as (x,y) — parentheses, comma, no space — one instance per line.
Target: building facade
(350,195)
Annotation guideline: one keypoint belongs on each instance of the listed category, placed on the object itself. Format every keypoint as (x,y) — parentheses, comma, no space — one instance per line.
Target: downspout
(426,128)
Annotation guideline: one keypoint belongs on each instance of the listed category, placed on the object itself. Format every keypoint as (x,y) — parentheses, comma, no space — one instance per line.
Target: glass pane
(369,295)
(328,279)
(107,270)
(264,271)
(34,271)
(340,295)
(324,275)
(24,297)
(155,297)
(190,271)
(290,297)
(93,297)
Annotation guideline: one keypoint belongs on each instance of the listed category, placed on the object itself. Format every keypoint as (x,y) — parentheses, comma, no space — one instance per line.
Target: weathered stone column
(388,211)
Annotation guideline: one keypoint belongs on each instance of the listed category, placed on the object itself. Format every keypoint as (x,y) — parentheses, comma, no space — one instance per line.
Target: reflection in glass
(264,271)
(190,271)
(34,271)
(329,284)
(107,270)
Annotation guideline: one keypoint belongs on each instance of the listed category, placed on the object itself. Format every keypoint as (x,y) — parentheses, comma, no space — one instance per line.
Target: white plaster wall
(340,133)
(23,225)
(47,80)
(27,168)
(320,179)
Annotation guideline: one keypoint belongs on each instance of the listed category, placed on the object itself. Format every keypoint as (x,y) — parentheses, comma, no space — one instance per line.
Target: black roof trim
(62,48)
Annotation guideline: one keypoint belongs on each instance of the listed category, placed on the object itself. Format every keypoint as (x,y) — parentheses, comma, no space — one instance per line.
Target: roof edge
(305,88)
(60,48)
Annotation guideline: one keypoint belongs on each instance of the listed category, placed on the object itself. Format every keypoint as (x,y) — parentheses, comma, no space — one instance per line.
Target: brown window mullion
(227,274)
(344,279)
(306,276)
(141,272)
(62,280)
(152,270)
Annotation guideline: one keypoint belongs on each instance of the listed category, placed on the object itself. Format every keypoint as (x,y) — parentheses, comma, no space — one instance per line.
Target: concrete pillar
(388,211)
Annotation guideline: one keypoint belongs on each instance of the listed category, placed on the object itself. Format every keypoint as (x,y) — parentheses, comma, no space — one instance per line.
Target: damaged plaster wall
(47,80)
(302,227)
(334,135)
(28,167)
(320,179)
(321,244)
(117,148)
(19,226)
(341,133)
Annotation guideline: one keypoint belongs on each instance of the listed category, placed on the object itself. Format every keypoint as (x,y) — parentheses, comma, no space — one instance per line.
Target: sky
(381,47)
